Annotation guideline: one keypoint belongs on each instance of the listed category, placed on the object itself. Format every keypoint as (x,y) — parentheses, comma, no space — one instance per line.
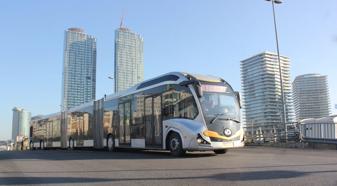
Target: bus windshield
(219,102)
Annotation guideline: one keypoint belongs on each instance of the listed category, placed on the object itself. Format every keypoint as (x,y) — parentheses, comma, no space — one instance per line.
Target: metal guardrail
(274,136)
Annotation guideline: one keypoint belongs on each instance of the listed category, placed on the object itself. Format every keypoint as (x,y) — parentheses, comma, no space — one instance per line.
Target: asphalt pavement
(246,166)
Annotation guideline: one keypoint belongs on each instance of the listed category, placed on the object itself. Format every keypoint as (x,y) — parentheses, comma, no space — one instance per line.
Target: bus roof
(175,77)
(172,76)
(42,117)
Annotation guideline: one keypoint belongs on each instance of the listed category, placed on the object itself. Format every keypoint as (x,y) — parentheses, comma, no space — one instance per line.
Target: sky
(197,36)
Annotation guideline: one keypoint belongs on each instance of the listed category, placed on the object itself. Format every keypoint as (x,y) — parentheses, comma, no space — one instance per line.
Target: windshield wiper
(220,114)
(231,119)
(216,117)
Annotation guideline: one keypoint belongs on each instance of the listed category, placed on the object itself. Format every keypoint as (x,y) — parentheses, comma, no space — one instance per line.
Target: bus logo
(227,132)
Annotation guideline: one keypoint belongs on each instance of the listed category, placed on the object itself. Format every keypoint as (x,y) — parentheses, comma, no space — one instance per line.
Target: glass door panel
(148,121)
(121,123)
(127,121)
(157,124)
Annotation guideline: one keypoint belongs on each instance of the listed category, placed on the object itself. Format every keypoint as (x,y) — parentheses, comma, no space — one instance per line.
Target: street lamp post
(284,114)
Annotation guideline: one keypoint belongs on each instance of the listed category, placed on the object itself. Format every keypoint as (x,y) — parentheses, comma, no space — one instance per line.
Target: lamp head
(276,1)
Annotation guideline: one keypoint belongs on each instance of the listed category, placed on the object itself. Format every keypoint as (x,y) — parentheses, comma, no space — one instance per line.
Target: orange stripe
(214,134)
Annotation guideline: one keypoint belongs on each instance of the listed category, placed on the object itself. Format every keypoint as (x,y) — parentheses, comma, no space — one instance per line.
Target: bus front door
(124,123)
(153,122)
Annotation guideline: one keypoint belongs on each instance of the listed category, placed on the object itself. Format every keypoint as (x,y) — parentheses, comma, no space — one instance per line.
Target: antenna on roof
(122,20)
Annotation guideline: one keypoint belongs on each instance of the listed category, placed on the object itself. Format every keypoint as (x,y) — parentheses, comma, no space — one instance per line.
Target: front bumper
(227,145)
(218,145)
(205,144)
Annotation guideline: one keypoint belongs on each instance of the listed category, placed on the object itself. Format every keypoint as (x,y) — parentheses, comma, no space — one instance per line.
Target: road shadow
(258,175)
(95,154)
(49,180)
(231,176)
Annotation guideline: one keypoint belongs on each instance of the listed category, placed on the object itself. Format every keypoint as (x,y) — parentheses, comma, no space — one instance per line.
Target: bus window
(148,120)
(179,103)
(157,119)
(121,123)
(137,127)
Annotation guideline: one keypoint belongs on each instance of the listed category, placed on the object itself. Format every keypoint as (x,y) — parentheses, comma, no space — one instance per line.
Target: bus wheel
(71,144)
(176,145)
(42,145)
(220,151)
(31,146)
(110,143)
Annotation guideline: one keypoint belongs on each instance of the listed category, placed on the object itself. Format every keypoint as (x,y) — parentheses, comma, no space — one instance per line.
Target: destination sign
(213,88)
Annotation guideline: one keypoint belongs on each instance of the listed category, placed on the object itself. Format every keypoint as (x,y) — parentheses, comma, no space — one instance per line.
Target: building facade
(20,123)
(261,87)
(129,59)
(79,68)
(311,96)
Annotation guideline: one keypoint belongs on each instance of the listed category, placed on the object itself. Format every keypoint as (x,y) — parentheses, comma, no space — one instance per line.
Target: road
(246,166)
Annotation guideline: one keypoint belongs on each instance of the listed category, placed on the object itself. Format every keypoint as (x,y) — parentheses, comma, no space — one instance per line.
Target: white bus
(176,111)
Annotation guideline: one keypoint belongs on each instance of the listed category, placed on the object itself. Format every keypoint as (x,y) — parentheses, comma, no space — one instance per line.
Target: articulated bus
(176,111)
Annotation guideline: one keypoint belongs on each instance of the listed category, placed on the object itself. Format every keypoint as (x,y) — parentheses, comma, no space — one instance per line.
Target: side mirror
(198,90)
(196,85)
(237,94)
(187,82)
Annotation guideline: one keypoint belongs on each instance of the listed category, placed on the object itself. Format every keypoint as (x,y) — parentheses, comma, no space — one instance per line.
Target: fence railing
(275,135)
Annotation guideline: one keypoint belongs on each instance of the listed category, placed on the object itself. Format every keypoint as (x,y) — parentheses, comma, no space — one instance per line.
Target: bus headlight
(201,140)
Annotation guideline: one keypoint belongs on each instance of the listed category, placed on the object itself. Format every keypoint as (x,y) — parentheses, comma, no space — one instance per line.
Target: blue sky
(207,37)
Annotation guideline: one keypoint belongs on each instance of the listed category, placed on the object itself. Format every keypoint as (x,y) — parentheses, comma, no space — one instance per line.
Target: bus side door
(153,121)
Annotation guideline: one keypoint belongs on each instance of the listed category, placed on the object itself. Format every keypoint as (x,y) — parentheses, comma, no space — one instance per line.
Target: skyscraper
(129,59)
(311,96)
(262,101)
(79,68)
(20,123)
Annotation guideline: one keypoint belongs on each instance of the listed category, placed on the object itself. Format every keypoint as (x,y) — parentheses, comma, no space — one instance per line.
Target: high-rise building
(311,96)
(262,100)
(129,59)
(20,123)
(79,68)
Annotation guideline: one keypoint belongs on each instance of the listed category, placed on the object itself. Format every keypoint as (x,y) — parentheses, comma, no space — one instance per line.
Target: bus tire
(220,151)
(31,145)
(110,142)
(41,145)
(175,145)
(71,144)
